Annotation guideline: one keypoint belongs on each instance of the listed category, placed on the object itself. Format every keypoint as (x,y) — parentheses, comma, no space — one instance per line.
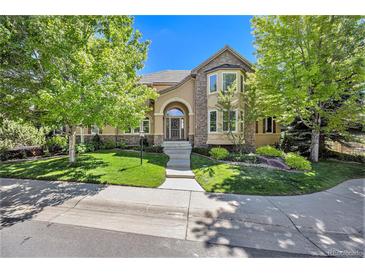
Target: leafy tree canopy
(73,70)
(313,68)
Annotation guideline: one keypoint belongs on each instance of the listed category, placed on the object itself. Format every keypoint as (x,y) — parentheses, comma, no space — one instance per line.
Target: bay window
(213,121)
(229,122)
(228,79)
(212,83)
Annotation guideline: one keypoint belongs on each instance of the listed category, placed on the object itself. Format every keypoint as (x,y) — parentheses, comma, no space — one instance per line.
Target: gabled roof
(165,76)
(175,78)
(226,48)
(225,66)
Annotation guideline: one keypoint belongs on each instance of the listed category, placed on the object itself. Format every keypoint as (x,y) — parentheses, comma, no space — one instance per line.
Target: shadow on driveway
(21,199)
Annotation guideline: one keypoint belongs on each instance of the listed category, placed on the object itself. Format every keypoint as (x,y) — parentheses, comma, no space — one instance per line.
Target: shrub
(57,144)
(120,144)
(201,150)
(296,161)
(97,142)
(344,157)
(269,151)
(219,153)
(155,149)
(16,134)
(83,148)
(108,144)
(21,153)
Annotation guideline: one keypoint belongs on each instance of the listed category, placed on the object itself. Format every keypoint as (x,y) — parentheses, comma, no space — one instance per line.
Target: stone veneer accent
(200,95)
(128,139)
(158,139)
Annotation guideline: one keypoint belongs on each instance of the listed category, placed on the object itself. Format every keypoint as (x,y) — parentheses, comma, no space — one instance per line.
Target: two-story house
(186,108)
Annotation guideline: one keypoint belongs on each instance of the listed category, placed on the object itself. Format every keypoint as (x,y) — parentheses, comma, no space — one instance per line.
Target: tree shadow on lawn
(45,169)
(154,159)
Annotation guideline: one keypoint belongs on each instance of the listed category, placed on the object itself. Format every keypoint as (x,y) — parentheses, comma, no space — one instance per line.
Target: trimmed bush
(108,144)
(296,161)
(344,157)
(269,151)
(86,147)
(97,142)
(21,153)
(219,153)
(155,149)
(57,144)
(201,150)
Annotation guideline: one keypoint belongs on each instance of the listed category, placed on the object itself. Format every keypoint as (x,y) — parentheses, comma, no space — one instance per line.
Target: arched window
(175,112)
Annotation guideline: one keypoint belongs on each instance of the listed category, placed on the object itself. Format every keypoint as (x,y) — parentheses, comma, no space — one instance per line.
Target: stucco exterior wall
(262,139)
(183,94)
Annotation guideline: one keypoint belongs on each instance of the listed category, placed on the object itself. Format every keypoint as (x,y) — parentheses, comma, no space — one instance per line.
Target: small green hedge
(57,143)
(269,151)
(296,161)
(201,150)
(219,153)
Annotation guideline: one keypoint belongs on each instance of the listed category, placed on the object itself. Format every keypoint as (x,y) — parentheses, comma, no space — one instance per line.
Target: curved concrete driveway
(328,223)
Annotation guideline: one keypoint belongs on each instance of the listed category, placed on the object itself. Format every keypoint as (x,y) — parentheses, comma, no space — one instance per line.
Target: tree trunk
(314,149)
(71,145)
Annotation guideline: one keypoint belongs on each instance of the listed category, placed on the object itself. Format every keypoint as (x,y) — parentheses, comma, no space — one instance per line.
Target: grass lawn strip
(214,176)
(112,167)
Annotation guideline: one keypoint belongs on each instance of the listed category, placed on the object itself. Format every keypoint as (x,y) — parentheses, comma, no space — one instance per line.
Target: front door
(175,132)
(174,128)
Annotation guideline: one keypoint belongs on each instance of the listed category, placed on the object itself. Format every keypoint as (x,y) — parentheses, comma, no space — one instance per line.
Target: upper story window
(242,86)
(228,79)
(213,121)
(229,122)
(213,83)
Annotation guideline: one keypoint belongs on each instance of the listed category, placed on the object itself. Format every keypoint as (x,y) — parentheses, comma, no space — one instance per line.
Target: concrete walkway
(178,173)
(328,223)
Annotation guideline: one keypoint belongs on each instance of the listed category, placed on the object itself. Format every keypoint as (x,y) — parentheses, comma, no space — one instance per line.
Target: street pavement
(62,219)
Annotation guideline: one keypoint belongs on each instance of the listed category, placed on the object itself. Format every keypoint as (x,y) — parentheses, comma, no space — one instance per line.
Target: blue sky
(183,42)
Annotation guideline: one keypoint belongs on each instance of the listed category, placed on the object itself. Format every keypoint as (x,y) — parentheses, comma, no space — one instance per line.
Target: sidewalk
(325,223)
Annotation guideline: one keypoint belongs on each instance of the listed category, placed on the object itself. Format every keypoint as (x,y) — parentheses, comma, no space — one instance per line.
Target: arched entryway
(176,122)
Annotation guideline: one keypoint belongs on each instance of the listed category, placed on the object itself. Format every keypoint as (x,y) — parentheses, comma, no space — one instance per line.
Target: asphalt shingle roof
(165,76)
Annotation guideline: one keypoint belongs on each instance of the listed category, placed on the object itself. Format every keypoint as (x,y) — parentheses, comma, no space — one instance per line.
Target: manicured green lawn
(218,177)
(112,166)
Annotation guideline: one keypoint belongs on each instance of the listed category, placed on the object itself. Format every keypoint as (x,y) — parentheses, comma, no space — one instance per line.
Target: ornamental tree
(311,68)
(81,71)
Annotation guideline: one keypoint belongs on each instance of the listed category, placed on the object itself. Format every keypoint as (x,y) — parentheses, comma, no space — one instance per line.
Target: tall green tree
(73,71)
(312,68)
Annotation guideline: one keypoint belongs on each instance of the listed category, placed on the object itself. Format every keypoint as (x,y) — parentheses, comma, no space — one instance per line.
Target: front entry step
(179,173)
(179,163)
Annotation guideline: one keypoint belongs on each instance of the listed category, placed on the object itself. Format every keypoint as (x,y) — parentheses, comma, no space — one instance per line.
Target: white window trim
(242,121)
(208,79)
(216,122)
(233,131)
(272,126)
(229,72)
(149,125)
(140,128)
(242,82)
